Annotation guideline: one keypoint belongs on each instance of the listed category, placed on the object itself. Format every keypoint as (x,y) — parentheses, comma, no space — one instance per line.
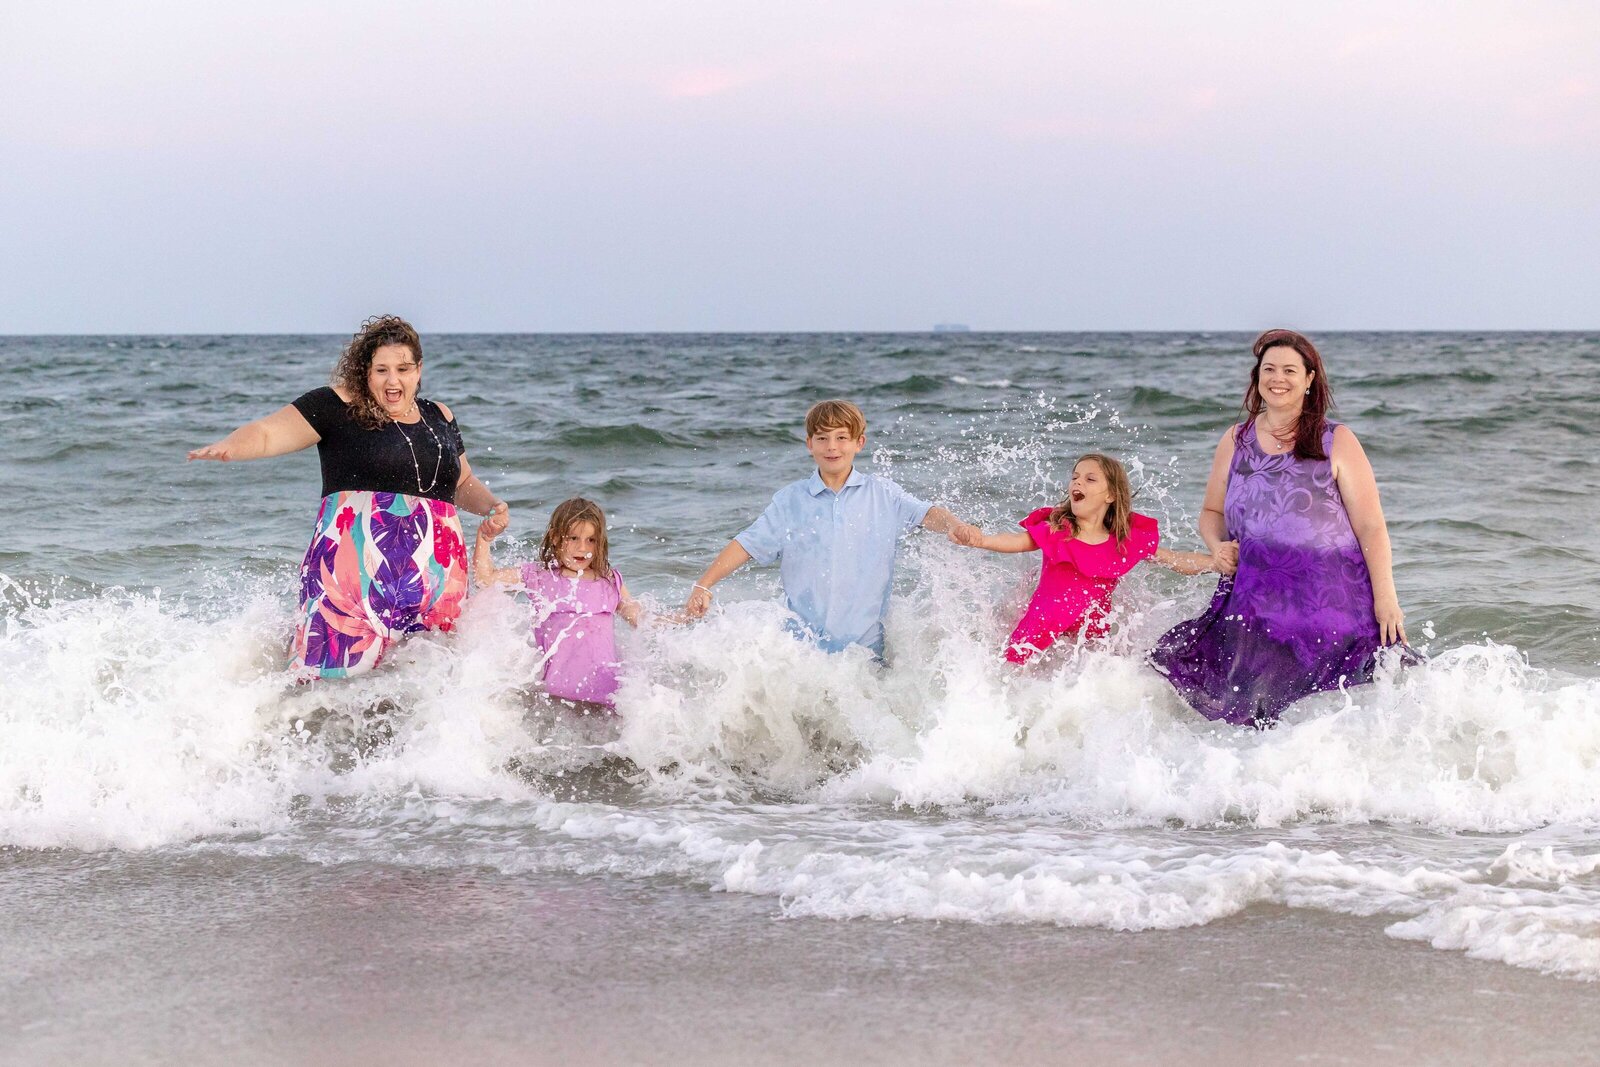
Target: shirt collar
(816,487)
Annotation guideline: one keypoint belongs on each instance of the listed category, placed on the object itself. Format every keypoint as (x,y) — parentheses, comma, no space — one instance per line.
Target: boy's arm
(483,563)
(728,560)
(1189,562)
(941,520)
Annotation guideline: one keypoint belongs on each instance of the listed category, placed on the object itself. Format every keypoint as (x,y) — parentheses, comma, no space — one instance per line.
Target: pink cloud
(1560,113)
(705,81)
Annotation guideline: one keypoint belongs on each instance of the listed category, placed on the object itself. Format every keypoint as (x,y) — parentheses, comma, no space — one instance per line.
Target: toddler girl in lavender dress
(576,594)
(1088,542)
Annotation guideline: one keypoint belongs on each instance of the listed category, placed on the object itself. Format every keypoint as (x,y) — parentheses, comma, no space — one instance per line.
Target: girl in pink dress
(1088,542)
(576,595)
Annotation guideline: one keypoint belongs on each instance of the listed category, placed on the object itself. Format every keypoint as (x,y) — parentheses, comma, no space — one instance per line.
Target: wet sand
(212,959)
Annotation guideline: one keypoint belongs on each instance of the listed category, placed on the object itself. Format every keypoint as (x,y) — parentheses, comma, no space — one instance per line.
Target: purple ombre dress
(1297,618)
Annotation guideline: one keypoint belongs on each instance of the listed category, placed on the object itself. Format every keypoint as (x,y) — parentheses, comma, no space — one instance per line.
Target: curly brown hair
(566,515)
(356,360)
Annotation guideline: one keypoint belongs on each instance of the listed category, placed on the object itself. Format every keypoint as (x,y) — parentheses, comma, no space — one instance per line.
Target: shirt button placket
(833,572)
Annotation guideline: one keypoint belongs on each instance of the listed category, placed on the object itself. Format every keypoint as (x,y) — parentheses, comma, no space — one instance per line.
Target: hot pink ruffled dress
(1075,581)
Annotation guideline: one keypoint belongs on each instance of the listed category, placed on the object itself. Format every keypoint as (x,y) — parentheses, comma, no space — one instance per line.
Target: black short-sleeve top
(419,459)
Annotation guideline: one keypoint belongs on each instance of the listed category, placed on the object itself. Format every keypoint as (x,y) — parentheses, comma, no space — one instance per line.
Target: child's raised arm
(1014,541)
(483,567)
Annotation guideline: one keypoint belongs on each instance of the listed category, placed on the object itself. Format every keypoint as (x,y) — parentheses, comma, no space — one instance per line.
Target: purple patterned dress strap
(1297,618)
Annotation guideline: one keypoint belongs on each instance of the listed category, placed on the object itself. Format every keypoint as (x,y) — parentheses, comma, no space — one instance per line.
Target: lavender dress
(1297,618)
(574,628)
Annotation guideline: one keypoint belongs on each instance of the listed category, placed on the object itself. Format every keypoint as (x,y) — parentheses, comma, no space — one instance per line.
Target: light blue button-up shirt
(836,552)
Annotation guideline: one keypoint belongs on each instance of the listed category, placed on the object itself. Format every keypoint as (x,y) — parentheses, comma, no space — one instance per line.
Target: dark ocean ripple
(1480,441)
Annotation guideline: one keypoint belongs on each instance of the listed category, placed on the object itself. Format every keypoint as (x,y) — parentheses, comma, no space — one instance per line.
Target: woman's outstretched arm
(278,434)
(1359,488)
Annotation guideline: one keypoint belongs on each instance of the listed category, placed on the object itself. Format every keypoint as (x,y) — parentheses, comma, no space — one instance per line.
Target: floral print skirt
(380,566)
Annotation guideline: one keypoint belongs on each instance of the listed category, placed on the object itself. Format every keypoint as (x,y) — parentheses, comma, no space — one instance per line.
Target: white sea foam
(946,785)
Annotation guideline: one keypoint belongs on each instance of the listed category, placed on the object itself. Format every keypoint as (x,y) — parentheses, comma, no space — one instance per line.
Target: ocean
(149,731)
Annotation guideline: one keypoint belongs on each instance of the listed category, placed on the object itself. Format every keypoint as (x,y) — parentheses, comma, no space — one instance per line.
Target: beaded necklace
(438,460)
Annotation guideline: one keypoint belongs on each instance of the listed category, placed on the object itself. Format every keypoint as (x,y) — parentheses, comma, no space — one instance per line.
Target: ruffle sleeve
(1105,560)
(1037,524)
(1144,537)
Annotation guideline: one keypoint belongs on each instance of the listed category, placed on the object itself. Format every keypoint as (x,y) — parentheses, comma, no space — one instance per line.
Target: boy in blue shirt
(834,535)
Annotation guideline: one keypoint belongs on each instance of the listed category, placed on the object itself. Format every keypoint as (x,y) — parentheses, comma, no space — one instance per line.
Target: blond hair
(568,514)
(1117,512)
(835,415)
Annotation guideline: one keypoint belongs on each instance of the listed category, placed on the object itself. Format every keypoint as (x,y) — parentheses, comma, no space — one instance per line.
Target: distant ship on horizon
(951,327)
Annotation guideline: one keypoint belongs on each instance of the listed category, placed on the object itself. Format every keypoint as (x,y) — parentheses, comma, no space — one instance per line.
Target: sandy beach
(206,959)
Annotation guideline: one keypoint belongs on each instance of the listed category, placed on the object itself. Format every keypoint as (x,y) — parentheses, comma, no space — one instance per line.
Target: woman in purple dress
(1313,598)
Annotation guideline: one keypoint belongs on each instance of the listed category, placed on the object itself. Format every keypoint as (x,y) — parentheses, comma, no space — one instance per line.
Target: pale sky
(690,165)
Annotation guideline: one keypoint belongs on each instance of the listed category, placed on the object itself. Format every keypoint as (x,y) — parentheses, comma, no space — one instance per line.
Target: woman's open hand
(1391,620)
(218,451)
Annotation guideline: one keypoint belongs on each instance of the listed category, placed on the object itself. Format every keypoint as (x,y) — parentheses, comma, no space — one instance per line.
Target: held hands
(966,534)
(488,529)
(1391,620)
(496,521)
(1225,560)
(699,602)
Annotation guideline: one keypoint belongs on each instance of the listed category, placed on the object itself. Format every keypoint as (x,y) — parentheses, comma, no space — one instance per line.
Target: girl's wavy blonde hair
(1121,506)
(568,514)
(356,360)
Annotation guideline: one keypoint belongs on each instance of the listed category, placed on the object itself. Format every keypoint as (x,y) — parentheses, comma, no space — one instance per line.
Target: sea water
(147,602)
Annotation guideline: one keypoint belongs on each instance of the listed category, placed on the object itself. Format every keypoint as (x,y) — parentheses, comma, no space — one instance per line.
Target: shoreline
(205,957)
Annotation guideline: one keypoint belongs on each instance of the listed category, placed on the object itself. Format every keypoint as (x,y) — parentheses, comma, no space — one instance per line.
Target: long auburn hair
(1314,412)
(566,515)
(1117,512)
(356,360)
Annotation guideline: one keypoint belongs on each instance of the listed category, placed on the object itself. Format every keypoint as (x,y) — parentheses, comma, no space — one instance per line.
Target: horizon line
(930,332)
